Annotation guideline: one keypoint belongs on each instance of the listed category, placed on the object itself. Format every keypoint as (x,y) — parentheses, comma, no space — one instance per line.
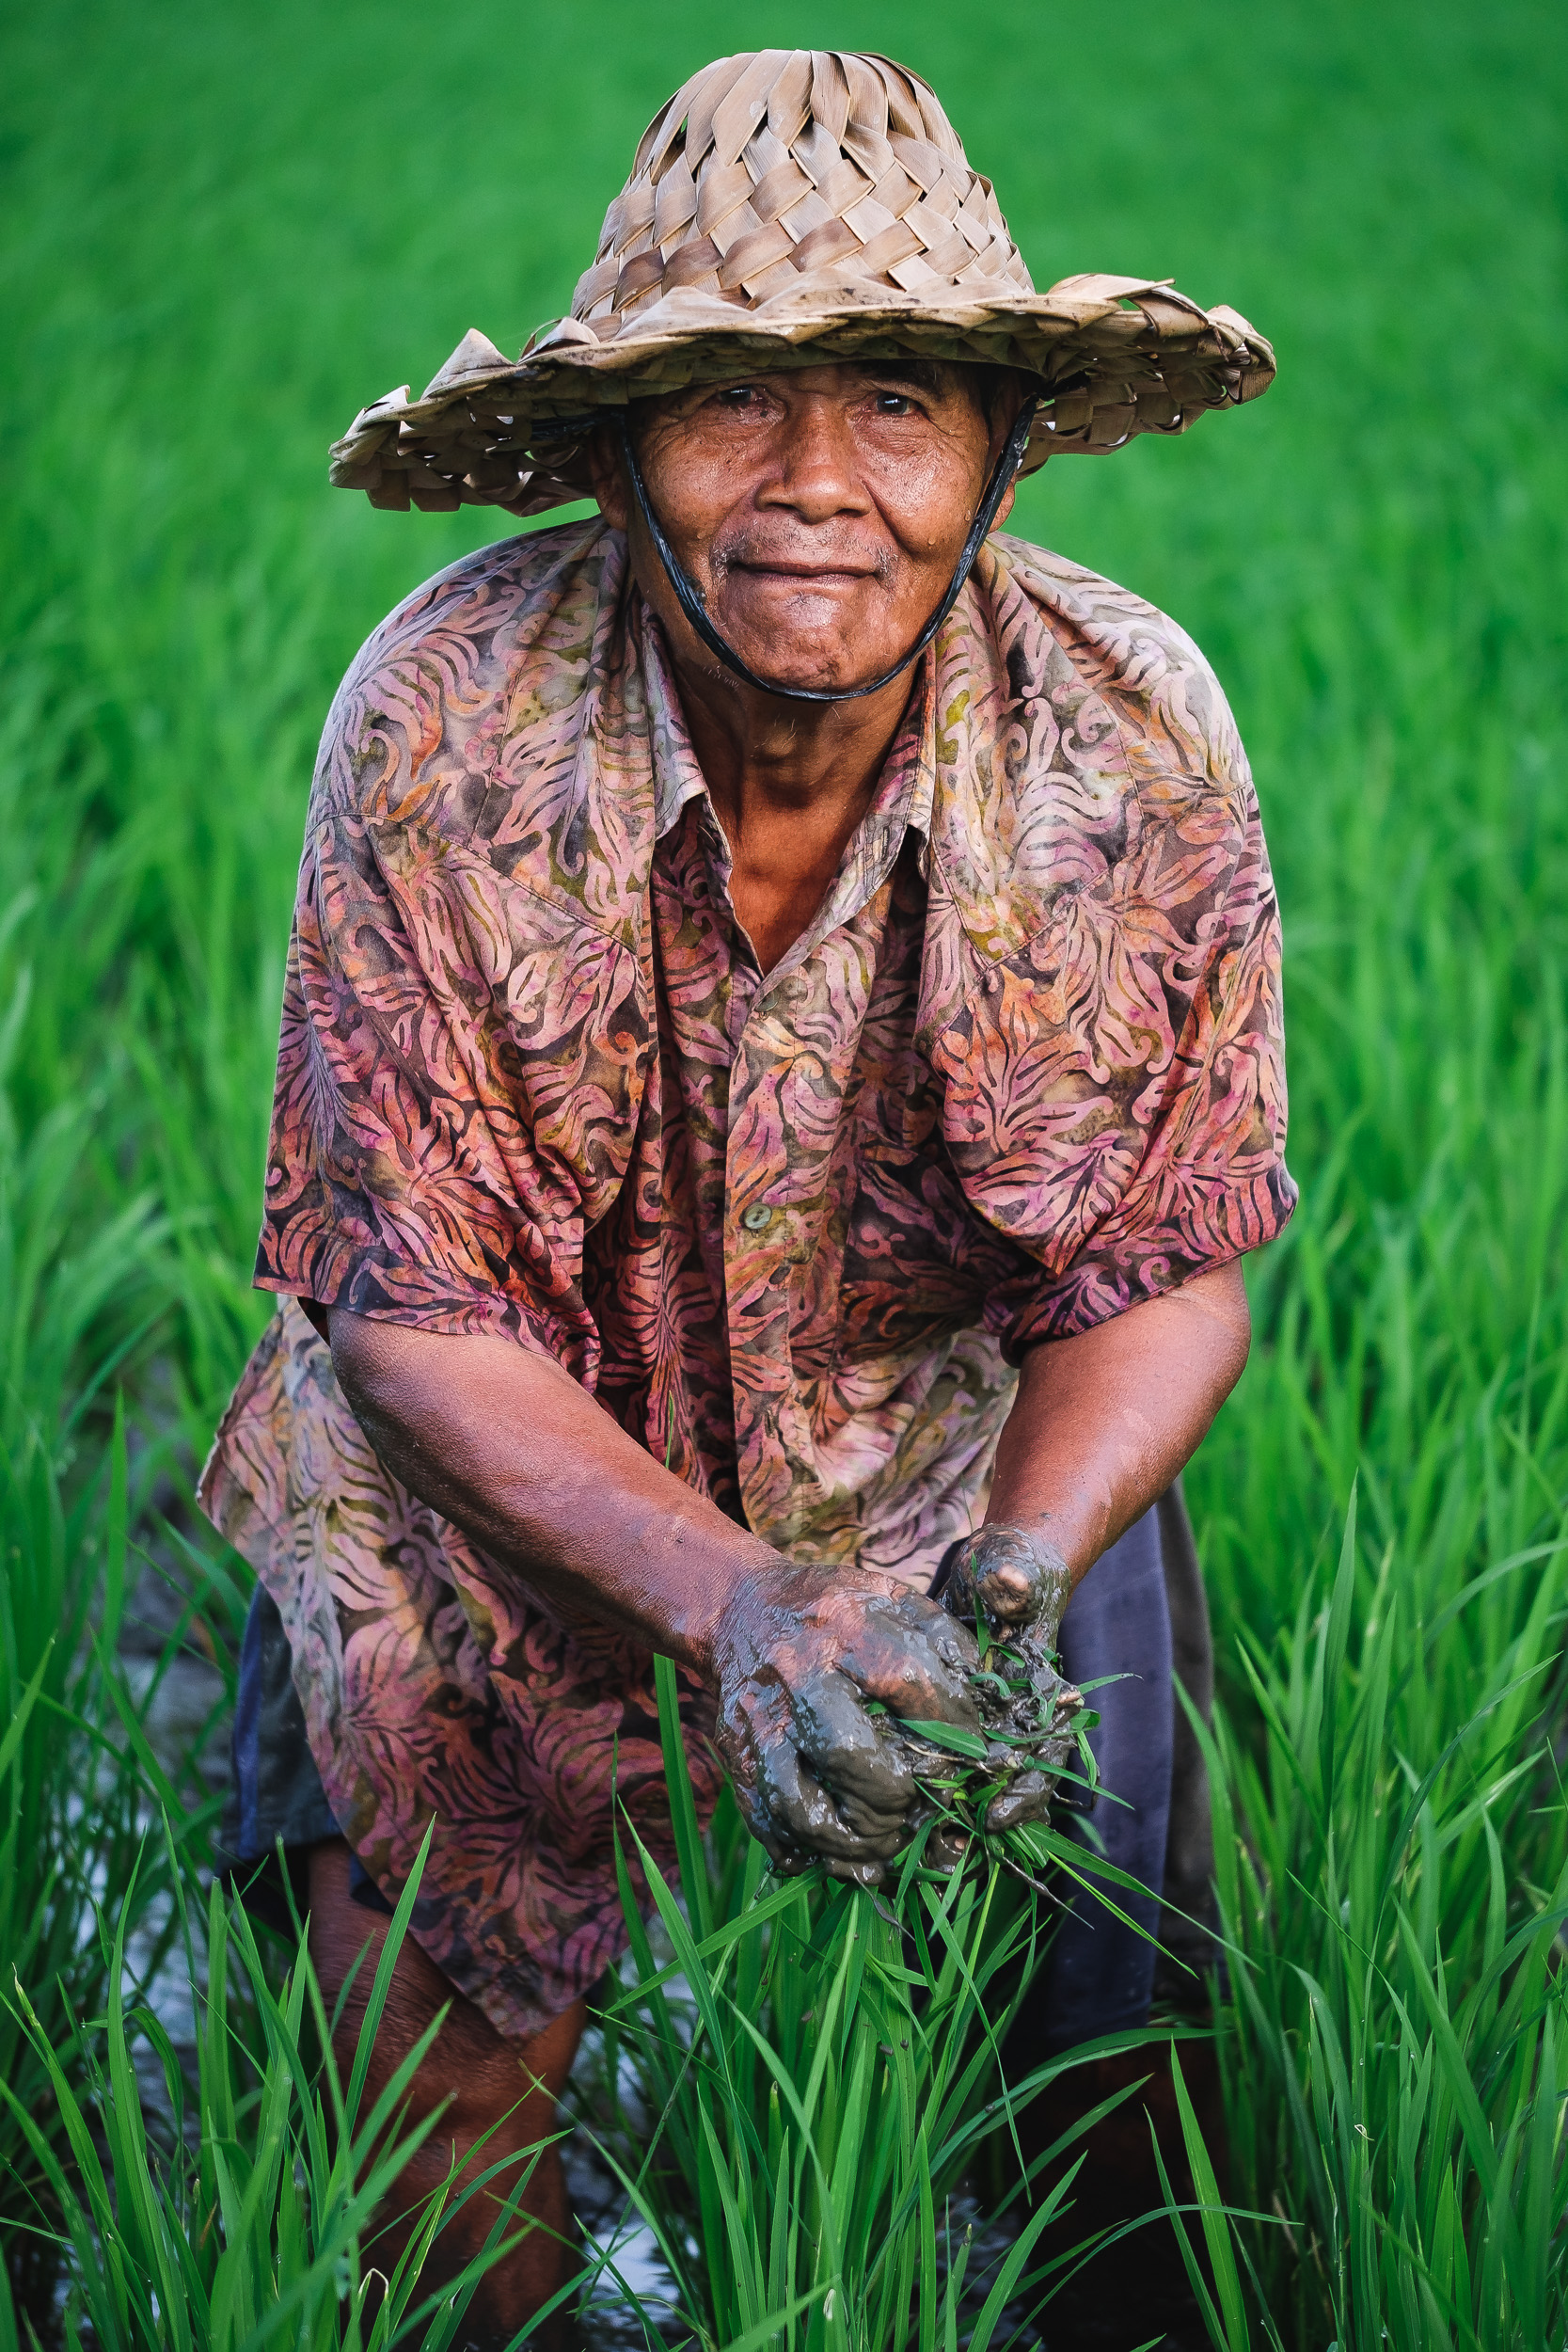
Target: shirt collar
(677,777)
(904,789)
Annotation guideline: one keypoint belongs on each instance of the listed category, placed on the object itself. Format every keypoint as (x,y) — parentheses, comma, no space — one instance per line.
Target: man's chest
(797,1128)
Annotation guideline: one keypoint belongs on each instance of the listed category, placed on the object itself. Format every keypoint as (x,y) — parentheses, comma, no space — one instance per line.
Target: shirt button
(757,1218)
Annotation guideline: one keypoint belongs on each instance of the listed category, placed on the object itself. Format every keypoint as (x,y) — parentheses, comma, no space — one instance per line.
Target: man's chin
(808,661)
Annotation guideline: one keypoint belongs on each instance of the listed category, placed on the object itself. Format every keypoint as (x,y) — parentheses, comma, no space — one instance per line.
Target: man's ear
(609,481)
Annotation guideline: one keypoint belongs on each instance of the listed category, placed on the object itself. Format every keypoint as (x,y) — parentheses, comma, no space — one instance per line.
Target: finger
(916,1660)
(1067,1698)
(790,1863)
(749,1724)
(868,1773)
(948,1850)
(1059,1701)
(1025,1799)
(1008,1588)
(1009,1577)
(786,1807)
(872,1874)
(804,1814)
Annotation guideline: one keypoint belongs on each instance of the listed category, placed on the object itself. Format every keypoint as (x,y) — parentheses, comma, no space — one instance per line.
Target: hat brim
(1115,356)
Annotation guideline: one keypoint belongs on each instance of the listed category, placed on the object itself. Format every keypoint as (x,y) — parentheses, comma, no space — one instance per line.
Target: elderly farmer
(780,1061)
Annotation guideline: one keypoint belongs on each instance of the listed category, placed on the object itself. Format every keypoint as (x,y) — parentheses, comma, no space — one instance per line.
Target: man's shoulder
(520,615)
(1082,607)
(1085,754)
(512,586)
(1168,702)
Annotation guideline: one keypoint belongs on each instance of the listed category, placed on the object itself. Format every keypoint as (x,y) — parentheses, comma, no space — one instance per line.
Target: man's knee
(480,2076)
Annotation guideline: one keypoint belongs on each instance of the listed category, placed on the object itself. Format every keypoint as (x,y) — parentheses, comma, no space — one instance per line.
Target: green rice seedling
(1023,1726)
(77,1777)
(795,2095)
(1393,2051)
(1217,2276)
(80,1297)
(245,2224)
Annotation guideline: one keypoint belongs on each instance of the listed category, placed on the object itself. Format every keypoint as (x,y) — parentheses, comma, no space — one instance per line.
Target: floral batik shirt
(792,1228)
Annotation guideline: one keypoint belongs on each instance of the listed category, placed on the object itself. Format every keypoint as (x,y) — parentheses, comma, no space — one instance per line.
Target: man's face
(819,510)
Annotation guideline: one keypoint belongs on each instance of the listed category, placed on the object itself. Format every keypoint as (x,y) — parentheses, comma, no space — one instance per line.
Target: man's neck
(789,782)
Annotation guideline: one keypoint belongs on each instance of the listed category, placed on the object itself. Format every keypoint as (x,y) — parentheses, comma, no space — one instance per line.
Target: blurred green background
(224,228)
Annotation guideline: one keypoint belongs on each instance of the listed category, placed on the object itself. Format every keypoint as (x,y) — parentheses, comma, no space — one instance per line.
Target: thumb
(1011,1579)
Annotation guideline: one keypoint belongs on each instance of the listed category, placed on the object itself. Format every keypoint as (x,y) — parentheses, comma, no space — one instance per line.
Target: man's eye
(894,404)
(738,396)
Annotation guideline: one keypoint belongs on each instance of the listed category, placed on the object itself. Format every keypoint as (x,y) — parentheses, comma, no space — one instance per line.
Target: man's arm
(1103,1423)
(509,1447)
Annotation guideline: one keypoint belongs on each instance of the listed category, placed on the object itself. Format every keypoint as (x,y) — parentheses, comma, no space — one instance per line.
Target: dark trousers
(1139,1615)
(1100,1974)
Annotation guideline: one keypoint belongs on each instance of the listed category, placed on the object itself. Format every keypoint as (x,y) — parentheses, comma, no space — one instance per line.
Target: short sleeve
(1205,1180)
(1114,1082)
(396,1185)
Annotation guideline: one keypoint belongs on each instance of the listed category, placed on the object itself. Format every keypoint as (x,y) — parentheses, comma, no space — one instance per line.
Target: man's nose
(816,471)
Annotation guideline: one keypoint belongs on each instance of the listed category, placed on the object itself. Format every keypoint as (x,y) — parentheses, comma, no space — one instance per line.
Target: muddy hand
(1018,1587)
(806,1659)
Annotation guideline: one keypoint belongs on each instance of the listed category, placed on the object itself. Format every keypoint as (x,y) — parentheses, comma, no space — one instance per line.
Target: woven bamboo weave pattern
(763,172)
(787,208)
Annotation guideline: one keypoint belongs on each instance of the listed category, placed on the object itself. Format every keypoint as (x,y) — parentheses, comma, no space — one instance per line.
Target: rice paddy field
(223,229)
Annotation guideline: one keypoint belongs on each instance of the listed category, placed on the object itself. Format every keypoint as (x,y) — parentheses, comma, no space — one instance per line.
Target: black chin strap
(690,597)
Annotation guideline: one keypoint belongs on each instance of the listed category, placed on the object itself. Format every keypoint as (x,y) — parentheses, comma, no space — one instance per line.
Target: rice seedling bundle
(793,2098)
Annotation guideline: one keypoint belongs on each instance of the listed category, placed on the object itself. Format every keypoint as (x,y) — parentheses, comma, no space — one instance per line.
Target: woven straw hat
(786,208)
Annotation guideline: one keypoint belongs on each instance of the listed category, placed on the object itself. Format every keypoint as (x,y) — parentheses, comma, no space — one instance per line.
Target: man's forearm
(1102,1423)
(513,1451)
